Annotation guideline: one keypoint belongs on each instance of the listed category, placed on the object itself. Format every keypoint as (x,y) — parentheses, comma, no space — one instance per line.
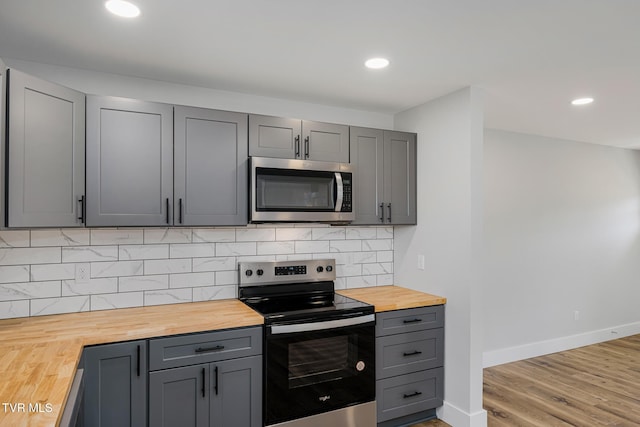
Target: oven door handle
(318,326)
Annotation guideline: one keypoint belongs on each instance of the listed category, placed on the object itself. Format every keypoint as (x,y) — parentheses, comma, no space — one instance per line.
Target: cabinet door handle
(389,207)
(297,142)
(413,353)
(203,384)
(209,349)
(381,212)
(180,211)
(414,394)
(306,147)
(216,386)
(416,320)
(167,207)
(138,362)
(81,211)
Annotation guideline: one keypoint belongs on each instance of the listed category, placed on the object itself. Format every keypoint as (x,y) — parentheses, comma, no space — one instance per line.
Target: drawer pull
(414,394)
(416,320)
(209,349)
(413,353)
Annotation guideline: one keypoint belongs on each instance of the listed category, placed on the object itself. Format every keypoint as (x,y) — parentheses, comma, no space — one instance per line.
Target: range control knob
(259,272)
(249,273)
(319,269)
(329,268)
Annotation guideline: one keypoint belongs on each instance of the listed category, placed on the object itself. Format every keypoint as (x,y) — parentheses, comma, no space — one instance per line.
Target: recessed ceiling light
(582,101)
(122,8)
(376,63)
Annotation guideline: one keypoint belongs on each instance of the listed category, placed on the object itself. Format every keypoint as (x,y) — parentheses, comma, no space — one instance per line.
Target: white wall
(98,83)
(561,227)
(449,234)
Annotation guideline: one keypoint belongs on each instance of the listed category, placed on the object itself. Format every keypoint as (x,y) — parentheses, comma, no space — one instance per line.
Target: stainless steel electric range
(319,346)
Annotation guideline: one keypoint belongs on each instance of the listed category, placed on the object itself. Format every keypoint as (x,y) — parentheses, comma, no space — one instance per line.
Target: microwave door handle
(339,192)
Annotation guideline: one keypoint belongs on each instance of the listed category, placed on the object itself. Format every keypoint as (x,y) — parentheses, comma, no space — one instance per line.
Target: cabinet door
(325,142)
(274,137)
(210,167)
(236,398)
(179,397)
(116,385)
(46,146)
(400,177)
(366,154)
(129,162)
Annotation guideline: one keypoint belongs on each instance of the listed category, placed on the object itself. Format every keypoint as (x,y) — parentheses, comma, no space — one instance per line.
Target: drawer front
(172,352)
(405,353)
(408,394)
(410,320)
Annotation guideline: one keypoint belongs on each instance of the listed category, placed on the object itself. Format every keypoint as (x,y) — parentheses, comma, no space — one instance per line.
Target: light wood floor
(597,385)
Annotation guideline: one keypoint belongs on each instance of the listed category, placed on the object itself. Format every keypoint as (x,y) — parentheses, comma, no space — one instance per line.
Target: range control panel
(266,273)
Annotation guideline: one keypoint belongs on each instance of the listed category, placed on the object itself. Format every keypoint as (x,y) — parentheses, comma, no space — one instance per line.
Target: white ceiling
(530,56)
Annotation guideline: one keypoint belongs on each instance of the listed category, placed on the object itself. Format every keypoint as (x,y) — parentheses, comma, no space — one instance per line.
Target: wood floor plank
(597,385)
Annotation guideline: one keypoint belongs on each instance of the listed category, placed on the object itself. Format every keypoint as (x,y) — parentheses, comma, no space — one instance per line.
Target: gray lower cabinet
(207,379)
(385,177)
(45,153)
(129,162)
(221,394)
(115,392)
(298,139)
(210,167)
(409,364)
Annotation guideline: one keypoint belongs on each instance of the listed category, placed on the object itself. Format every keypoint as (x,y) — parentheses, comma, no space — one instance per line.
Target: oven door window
(309,373)
(294,190)
(321,360)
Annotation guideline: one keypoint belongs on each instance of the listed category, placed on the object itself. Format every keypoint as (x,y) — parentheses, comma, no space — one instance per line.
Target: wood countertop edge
(392,297)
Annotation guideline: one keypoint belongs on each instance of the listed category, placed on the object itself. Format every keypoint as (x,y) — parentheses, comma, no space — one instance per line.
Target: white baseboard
(456,417)
(540,348)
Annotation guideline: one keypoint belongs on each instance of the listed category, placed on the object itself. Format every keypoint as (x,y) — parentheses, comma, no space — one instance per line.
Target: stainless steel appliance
(319,347)
(288,190)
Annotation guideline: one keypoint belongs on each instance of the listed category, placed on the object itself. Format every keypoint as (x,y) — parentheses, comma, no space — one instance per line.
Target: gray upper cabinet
(46,150)
(325,141)
(129,162)
(385,177)
(274,137)
(367,153)
(400,177)
(294,139)
(210,175)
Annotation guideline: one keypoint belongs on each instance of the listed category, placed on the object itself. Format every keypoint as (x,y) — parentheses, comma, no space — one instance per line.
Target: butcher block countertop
(387,298)
(39,355)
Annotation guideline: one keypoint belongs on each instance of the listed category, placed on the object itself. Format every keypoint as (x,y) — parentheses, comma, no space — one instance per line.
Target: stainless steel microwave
(287,190)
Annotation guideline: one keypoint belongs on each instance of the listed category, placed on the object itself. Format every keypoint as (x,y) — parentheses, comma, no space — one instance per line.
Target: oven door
(317,366)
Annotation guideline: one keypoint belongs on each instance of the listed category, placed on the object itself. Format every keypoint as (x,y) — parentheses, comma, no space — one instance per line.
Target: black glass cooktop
(297,306)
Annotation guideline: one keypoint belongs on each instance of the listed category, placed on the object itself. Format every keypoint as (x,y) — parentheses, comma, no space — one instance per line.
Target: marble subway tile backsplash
(50,271)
